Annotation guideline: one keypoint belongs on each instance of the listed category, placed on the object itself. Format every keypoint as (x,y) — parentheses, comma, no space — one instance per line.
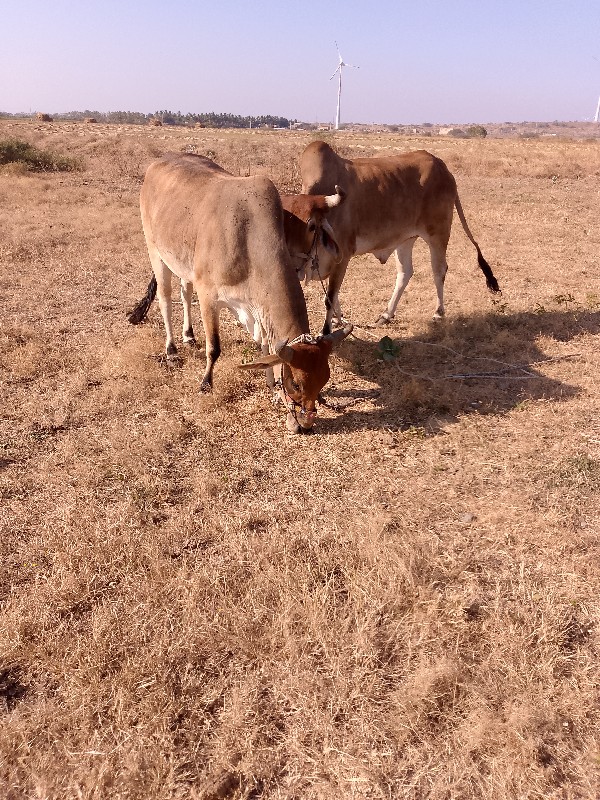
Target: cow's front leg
(332,301)
(338,318)
(278,395)
(210,319)
(264,348)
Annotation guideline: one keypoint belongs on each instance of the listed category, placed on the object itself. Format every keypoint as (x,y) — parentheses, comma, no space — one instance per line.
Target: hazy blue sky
(425,61)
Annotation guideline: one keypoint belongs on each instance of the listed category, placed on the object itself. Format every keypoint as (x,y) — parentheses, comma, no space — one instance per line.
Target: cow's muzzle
(299,421)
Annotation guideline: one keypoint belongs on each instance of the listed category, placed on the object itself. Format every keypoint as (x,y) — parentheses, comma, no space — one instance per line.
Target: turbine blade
(334,74)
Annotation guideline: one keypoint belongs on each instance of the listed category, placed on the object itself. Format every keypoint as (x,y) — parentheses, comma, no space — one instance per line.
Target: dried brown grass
(194,604)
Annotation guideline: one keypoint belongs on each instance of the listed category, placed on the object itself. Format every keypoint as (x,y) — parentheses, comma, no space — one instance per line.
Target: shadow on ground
(487,364)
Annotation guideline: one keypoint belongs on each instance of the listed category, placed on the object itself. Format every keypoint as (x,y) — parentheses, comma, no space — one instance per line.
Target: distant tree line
(214,120)
(210,120)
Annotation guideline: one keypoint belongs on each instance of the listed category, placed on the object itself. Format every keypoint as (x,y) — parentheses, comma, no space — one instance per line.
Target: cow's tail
(139,312)
(490,278)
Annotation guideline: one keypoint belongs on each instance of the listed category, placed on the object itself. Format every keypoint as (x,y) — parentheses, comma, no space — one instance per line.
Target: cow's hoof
(292,425)
(205,387)
(174,361)
(191,343)
(382,321)
(437,317)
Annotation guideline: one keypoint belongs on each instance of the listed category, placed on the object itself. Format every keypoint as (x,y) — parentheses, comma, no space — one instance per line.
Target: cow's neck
(269,324)
(280,326)
(282,312)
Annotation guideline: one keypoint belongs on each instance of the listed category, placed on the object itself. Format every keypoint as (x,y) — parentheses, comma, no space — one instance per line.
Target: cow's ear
(328,240)
(262,362)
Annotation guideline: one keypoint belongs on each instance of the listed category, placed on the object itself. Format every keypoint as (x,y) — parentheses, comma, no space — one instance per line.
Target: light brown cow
(223,236)
(391,201)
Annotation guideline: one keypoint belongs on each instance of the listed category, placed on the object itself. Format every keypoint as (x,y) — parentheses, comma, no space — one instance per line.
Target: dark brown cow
(223,237)
(391,201)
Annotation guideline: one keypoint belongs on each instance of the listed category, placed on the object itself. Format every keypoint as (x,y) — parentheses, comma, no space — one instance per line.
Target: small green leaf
(388,348)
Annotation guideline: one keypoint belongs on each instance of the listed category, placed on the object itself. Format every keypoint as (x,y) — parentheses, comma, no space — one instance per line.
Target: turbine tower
(597,115)
(339,69)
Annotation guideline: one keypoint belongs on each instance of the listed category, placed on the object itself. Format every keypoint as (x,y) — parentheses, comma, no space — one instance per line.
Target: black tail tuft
(139,312)
(490,278)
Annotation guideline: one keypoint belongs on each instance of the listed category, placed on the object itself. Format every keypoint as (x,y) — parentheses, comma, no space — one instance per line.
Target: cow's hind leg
(187,292)
(404,272)
(210,319)
(439,267)
(163,292)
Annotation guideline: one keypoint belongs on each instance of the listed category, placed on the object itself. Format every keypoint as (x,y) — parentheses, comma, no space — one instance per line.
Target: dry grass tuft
(194,604)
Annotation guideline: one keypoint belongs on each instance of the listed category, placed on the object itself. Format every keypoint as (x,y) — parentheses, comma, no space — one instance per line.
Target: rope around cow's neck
(314,261)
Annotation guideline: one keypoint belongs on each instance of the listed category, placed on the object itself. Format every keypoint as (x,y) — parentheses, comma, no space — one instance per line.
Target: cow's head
(304,372)
(310,238)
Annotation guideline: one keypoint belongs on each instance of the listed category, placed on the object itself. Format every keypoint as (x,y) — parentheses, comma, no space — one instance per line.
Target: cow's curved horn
(333,200)
(337,337)
(284,351)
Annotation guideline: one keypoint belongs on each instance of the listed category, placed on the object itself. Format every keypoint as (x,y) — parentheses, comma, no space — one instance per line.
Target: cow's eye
(291,384)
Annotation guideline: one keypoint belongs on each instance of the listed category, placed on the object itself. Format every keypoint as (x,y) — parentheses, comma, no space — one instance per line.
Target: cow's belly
(178,266)
(382,246)
(363,245)
(246,315)
(379,245)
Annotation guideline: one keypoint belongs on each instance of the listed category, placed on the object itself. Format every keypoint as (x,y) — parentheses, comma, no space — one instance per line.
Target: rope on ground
(524,370)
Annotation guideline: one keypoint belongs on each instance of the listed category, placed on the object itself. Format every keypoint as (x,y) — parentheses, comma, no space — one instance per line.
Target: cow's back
(389,197)
(176,190)
(409,191)
(208,221)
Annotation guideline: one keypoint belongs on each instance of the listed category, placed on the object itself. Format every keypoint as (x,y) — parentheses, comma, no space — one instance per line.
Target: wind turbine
(339,69)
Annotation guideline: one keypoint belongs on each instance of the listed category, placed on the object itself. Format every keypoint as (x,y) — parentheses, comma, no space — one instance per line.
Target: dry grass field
(196,604)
